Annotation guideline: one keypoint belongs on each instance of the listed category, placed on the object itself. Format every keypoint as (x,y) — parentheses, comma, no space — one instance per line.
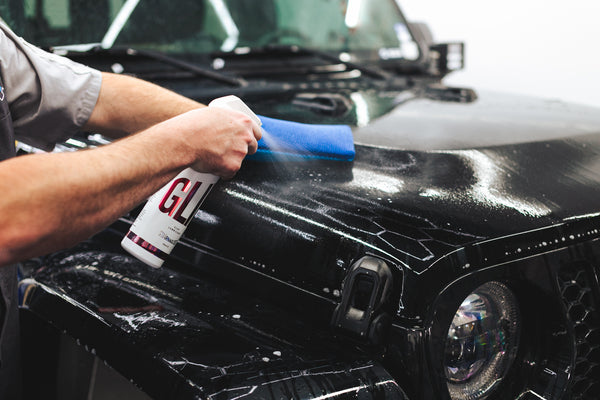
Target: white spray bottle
(168,212)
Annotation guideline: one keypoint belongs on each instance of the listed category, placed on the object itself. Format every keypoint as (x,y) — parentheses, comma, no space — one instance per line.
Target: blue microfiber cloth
(287,140)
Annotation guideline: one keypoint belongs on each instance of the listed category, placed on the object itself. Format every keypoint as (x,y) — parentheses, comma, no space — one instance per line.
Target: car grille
(578,283)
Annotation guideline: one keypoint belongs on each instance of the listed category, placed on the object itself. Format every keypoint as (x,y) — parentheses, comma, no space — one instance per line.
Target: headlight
(482,342)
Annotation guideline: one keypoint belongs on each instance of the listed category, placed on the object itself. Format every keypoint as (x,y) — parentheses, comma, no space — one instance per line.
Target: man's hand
(218,138)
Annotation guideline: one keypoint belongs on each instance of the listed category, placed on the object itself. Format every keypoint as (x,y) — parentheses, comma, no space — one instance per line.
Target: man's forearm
(72,195)
(127,105)
(53,200)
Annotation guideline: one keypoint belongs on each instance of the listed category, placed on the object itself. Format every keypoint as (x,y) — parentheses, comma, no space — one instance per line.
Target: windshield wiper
(276,49)
(169,60)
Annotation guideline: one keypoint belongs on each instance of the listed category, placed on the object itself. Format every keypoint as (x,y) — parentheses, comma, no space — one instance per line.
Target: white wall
(545,48)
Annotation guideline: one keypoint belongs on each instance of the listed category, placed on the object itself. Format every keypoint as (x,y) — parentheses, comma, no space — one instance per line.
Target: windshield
(373,27)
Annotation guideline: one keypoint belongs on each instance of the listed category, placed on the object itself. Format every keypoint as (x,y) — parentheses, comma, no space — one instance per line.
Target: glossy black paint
(449,187)
(179,337)
(304,223)
(437,215)
(262,267)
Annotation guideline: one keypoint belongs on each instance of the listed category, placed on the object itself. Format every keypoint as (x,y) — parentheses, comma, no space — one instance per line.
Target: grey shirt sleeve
(50,97)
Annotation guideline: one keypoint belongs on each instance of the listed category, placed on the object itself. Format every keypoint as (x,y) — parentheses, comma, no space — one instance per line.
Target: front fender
(179,337)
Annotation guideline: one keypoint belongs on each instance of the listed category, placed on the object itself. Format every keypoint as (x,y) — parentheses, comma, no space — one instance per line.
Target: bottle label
(170,210)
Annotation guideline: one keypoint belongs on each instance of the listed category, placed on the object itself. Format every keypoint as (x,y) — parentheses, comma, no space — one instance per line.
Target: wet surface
(243,307)
(304,224)
(179,337)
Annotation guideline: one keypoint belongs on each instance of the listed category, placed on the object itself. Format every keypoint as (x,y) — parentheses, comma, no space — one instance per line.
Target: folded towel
(287,140)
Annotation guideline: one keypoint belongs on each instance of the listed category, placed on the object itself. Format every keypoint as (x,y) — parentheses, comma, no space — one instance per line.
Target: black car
(456,257)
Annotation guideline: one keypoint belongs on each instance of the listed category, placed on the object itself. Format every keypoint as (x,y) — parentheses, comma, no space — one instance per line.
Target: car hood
(429,178)
(493,119)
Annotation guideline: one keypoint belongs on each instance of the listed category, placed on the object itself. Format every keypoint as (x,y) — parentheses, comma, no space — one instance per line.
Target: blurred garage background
(546,48)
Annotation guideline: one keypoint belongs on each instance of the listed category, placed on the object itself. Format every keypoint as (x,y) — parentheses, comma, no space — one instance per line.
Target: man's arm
(51,201)
(127,105)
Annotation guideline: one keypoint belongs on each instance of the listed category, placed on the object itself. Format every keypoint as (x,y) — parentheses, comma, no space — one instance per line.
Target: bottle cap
(232,102)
